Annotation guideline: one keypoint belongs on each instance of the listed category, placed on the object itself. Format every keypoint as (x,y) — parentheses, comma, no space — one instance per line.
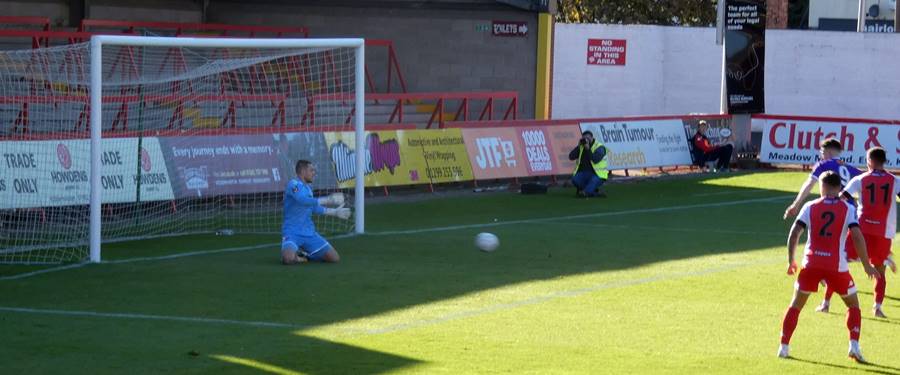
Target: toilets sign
(509,28)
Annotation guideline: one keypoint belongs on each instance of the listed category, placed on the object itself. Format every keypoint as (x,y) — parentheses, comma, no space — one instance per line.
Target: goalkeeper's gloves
(333,199)
(341,212)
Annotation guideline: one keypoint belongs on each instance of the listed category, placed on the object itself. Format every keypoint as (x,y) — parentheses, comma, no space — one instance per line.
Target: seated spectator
(720,153)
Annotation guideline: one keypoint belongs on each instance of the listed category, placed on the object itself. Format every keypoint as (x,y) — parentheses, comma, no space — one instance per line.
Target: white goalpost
(130,138)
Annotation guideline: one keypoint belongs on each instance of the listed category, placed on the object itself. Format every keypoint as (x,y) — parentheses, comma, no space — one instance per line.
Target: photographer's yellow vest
(599,167)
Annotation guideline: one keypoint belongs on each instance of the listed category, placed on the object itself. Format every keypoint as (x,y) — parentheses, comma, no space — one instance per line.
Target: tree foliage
(650,12)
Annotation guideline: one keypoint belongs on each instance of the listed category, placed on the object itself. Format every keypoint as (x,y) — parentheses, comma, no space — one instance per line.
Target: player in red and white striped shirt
(828,221)
(876,191)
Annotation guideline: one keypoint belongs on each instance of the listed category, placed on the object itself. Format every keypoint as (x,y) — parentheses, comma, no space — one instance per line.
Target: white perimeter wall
(668,70)
(673,70)
(829,73)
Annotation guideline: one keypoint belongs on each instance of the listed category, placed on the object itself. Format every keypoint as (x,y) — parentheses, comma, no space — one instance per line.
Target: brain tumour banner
(642,144)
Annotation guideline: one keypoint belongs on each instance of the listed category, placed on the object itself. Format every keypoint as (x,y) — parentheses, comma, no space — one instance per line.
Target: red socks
(880,286)
(790,323)
(828,292)
(854,320)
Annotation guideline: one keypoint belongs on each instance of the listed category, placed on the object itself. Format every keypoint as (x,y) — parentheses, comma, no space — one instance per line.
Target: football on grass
(487,242)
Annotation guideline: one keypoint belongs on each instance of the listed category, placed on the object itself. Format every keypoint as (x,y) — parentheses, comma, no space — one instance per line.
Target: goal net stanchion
(132,138)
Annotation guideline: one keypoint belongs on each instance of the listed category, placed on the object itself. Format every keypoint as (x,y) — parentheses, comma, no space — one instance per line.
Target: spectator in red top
(721,153)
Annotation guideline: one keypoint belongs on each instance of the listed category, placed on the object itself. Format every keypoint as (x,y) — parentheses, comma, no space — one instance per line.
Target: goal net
(199,136)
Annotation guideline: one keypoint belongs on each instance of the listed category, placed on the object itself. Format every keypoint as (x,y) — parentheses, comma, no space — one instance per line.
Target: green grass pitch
(681,275)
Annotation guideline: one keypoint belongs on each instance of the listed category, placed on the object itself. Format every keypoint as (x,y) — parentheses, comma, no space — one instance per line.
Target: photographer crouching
(590,172)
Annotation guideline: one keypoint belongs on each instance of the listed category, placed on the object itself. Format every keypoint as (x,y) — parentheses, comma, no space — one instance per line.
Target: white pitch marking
(690,230)
(582,216)
(192,253)
(726,193)
(43,271)
(95,314)
(417,231)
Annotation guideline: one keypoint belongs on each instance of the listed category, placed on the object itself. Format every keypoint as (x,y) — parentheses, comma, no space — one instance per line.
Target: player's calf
(331,256)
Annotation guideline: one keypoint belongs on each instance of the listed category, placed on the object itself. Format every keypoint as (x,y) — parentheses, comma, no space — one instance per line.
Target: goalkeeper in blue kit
(300,242)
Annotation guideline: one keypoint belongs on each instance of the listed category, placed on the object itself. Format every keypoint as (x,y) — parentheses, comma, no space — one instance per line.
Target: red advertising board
(494,152)
(796,139)
(562,139)
(606,51)
(520,151)
(509,28)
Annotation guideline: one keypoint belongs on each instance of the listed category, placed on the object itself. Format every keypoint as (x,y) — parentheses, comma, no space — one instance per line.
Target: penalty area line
(582,216)
(189,254)
(148,259)
(43,271)
(187,319)
(675,229)
(418,231)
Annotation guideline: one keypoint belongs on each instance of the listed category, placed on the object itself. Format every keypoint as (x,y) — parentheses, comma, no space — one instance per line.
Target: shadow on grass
(639,224)
(869,367)
(895,299)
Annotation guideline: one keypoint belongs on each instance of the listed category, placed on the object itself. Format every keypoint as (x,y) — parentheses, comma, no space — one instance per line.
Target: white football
(487,242)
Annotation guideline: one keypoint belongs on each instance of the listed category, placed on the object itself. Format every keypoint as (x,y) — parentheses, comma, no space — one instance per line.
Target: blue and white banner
(642,143)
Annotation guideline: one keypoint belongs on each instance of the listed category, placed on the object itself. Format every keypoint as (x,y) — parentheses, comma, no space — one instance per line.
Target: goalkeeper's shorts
(313,245)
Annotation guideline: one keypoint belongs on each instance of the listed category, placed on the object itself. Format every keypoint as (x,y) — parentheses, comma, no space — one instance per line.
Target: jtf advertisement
(402,157)
(797,141)
(57,173)
(640,144)
(495,152)
(521,151)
